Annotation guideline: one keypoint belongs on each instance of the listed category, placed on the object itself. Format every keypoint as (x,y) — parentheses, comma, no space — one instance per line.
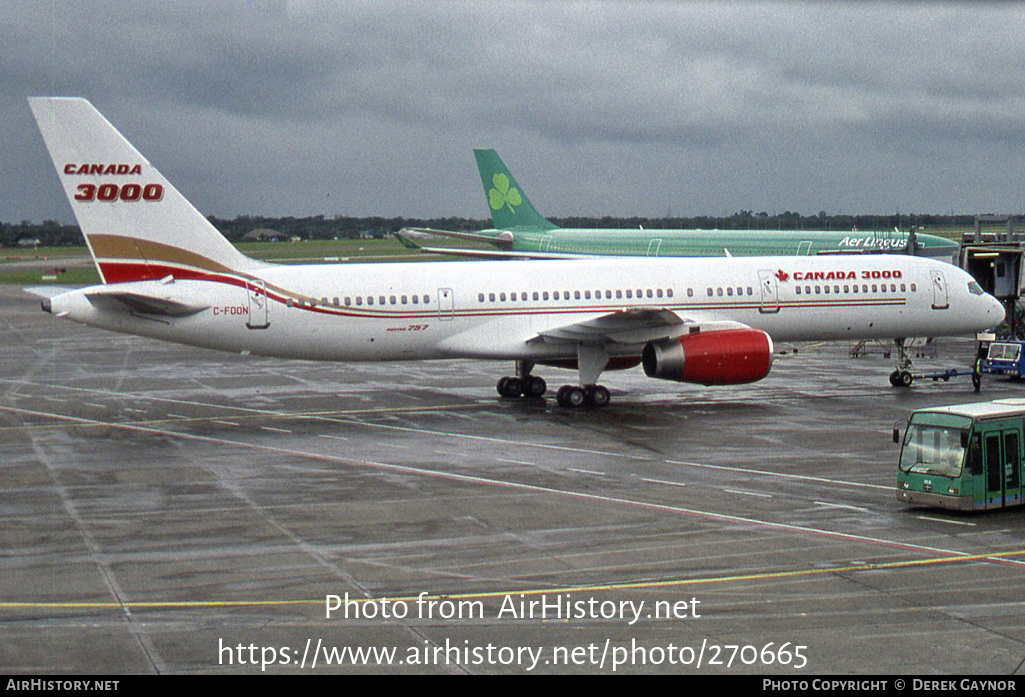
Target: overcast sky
(314,107)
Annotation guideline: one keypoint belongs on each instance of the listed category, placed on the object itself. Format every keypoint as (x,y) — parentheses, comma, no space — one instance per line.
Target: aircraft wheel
(534,387)
(502,382)
(598,395)
(906,378)
(571,396)
(513,388)
(895,378)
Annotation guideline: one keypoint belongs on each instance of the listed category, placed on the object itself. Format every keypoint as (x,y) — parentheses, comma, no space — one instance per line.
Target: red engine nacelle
(722,357)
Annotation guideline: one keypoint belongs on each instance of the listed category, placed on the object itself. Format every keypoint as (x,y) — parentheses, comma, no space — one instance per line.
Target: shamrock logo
(502,195)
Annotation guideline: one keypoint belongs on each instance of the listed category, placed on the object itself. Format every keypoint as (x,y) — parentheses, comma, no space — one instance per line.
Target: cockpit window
(974,288)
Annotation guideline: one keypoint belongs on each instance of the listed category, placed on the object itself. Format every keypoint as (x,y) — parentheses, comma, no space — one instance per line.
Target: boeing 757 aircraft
(169,274)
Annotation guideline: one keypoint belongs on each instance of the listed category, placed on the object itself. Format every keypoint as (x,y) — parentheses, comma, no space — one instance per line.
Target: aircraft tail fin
(510,207)
(136,224)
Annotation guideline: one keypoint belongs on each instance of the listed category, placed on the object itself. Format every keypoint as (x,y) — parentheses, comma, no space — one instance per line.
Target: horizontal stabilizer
(498,254)
(46,291)
(143,304)
(499,238)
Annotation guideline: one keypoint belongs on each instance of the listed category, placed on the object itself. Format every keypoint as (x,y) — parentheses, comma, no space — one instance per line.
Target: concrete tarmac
(165,509)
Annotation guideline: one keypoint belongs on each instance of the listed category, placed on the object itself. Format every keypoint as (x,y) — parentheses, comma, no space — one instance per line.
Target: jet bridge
(994,259)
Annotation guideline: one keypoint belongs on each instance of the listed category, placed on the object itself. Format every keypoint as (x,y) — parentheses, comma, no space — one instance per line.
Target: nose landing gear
(902,377)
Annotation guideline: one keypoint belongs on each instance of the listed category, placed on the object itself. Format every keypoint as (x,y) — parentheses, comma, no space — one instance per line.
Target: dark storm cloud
(314,107)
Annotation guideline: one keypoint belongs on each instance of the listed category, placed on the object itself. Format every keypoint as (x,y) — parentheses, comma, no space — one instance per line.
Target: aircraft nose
(995,311)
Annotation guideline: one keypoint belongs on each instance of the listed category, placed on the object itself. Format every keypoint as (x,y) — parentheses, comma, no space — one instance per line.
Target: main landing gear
(588,395)
(902,377)
(523,384)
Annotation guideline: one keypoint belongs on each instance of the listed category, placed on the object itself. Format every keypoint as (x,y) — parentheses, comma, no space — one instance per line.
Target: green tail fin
(510,207)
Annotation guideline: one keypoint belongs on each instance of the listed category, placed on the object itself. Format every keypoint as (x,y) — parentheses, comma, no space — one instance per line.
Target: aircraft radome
(169,274)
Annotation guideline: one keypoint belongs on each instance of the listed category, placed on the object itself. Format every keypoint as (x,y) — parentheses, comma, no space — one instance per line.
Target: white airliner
(169,274)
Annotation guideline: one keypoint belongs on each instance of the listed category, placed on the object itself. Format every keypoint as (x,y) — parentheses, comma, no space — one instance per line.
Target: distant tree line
(319,227)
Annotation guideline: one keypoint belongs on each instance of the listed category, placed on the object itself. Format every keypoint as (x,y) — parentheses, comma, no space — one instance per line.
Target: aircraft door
(769,291)
(804,248)
(446,304)
(653,247)
(258,306)
(940,300)
(545,243)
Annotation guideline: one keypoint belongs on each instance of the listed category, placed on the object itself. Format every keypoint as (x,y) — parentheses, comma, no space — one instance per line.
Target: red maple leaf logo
(782,275)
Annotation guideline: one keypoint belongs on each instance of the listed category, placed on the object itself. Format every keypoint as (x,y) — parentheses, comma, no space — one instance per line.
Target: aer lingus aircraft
(169,274)
(523,233)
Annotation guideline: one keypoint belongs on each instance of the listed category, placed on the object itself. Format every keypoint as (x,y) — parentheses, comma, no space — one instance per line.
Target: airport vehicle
(169,274)
(523,233)
(1004,358)
(966,456)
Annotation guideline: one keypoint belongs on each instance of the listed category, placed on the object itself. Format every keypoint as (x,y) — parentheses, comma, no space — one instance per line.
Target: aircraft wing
(143,304)
(630,326)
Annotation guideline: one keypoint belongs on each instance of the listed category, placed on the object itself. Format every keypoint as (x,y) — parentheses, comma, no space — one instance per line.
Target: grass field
(306,252)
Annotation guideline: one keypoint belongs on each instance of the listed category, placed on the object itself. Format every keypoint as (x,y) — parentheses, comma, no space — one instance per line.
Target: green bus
(966,457)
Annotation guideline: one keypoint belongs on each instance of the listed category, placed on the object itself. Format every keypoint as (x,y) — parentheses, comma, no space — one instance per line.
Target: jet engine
(718,357)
